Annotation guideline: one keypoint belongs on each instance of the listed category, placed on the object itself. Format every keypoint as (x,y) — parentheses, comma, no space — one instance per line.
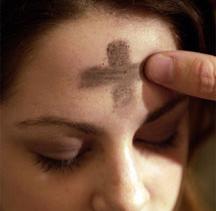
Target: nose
(122,188)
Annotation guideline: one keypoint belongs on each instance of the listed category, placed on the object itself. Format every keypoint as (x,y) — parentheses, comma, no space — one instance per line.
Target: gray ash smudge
(122,95)
(97,76)
(120,72)
(118,54)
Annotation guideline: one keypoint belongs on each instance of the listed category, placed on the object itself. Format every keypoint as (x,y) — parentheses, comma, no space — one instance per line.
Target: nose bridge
(123,188)
(124,172)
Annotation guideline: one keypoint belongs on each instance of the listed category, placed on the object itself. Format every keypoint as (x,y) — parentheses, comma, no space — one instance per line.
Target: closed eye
(61,165)
(167,143)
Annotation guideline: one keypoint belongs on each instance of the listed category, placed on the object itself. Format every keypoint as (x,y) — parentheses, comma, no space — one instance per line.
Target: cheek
(166,182)
(163,177)
(163,173)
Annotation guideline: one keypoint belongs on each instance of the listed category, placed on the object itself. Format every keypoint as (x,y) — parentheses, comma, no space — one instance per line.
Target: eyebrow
(161,111)
(82,127)
(91,129)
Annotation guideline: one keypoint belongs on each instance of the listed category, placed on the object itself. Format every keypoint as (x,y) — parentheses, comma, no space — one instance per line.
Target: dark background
(204,173)
(208,12)
(204,163)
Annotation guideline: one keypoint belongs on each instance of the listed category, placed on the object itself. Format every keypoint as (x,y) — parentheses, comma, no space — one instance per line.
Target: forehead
(88,38)
(73,46)
(61,55)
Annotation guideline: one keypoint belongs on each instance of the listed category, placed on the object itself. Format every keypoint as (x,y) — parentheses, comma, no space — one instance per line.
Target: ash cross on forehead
(120,72)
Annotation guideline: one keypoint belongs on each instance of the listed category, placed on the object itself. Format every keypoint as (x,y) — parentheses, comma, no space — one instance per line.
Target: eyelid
(58,148)
(61,164)
(169,142)
(177,112)
(62,155)
(159,130)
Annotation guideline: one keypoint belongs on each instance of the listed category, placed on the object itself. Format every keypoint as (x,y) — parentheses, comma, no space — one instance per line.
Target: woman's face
(81,97)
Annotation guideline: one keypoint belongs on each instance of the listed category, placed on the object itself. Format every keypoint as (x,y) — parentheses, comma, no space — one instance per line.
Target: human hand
(189,73)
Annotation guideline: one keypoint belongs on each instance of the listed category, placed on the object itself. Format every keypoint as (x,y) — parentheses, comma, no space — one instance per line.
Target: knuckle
(206,73)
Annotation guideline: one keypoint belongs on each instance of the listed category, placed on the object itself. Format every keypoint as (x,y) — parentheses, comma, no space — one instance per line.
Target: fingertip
(160,68)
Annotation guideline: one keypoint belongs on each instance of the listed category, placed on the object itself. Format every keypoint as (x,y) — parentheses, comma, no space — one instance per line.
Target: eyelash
(49,164)
(162,145)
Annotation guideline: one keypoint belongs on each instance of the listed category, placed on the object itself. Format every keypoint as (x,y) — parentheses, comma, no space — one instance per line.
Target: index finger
(186,72)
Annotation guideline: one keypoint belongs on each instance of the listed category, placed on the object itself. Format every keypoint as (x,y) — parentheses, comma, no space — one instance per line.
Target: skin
(120,71)
(185,67)
(120,171)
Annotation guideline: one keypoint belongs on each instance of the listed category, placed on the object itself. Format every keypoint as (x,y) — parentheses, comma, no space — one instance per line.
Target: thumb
(187,72)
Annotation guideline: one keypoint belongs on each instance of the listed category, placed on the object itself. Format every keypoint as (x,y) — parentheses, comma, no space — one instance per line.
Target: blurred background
(203,168)
(204,163)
